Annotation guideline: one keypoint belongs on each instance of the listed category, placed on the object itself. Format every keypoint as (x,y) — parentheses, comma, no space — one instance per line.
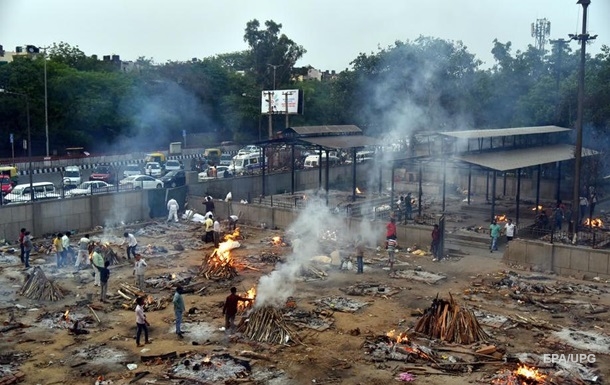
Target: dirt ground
(47,353)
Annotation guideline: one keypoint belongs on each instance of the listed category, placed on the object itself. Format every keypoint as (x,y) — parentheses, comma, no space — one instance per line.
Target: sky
(333,32)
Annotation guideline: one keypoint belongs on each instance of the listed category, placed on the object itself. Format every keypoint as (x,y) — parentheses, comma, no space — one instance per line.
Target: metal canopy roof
(342,142)
(499,132)
(523,157)
(322,130)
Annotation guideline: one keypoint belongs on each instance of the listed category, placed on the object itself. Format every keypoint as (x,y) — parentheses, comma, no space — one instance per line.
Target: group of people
(495,231)
(404,206)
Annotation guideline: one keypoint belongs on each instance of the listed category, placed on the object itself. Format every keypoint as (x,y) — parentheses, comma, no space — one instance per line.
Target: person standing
(359,248)
(97,260)
(139,270)
(141,323)
(83,251)
(178,310)
(132,243)
(592,201)
(229,310)
(21,243)
(494,232)
(558,214)
(233,222)
(408,207)
(436,242)
(391,229)
(509,230)
(27,249)
(216,229)
(391,245)
(104,274)
(59,250)
(172,207)
(209,204)
(209,230)
(65,243)
(583,204)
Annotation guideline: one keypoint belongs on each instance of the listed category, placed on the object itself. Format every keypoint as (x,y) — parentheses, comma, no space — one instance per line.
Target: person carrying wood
(230,309)
(139,270)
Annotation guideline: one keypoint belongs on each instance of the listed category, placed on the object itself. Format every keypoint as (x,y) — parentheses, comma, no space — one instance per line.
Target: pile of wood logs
(37,286)
(267,325)
(109,254)
(218,268)
(448,321)
(131,293)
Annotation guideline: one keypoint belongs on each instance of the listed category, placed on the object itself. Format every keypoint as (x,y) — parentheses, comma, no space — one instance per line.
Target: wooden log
(164,356)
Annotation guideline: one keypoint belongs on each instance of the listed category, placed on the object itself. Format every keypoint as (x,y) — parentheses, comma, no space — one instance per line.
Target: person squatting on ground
(65,242)
(494,233)
(216,228)
(97,260)
(391,245)
(230,309)
(59,249)
(141,322)
(82,257)
(139,270)
(21,242)
(172,208)
(104,274)
(509,230)
(436,241)
(132,243)
(27,248)
(359,248)
(178,310)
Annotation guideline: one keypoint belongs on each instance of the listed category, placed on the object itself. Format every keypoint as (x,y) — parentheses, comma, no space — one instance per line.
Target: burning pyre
(243,306)
(396,346)
(593,222)
(448,321)
(220,265)
(501,218)
(523,375)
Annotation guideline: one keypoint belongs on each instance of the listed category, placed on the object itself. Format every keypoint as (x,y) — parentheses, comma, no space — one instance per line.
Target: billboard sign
(278,99)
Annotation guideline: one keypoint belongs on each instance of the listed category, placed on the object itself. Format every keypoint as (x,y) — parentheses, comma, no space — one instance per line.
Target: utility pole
(274,68)
(46,108)
(541,29)
(286,94)
(270,112)
(559,45)
(583,38)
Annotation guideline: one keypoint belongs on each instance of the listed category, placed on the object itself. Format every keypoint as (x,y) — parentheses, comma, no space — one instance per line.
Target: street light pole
(270,112)
(27,111)
(46,108)
(583,38)
(274,68)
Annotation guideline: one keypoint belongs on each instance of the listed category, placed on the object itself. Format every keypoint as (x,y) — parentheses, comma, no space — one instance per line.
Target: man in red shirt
(391,229)
(230,308)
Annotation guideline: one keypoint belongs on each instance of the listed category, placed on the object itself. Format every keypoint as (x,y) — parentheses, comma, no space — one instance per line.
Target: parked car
(6,184)
(90,187)
(105,173)
(153,169)
(174,178)
(22,192)
(173,165)
(132,169)
(138,182)
(72,177)
(226,159)
(250,149)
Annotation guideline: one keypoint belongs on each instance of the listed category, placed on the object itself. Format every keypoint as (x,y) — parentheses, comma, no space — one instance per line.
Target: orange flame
(400,338)
(539,208)
(501,218)
(595,222)
(66,315)
(358,191)
(530,373)
(276,241)
(243,305)
(233,236)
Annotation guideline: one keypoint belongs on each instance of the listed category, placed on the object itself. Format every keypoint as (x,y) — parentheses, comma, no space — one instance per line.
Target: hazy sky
(333,32)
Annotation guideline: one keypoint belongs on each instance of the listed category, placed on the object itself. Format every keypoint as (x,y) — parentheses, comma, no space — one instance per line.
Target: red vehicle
(6,183)
(104,173)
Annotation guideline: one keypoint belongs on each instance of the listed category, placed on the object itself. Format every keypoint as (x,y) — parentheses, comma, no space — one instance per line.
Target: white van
(313,161)
(22,193)
(72,177)
(246,163)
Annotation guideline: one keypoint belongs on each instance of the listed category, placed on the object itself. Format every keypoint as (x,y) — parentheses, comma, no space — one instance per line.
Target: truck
(175,148)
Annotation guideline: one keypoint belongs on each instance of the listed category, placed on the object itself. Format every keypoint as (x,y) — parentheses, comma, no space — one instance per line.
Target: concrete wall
(80,213)
(562,259)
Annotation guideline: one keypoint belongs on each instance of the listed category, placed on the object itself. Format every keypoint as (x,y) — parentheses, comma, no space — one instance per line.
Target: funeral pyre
(450,322)
(37,286)
(211,368)
(220,265)
(132,293)
(397,347)
(267,324)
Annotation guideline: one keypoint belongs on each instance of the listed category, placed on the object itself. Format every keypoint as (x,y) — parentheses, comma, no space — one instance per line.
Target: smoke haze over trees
(421,85)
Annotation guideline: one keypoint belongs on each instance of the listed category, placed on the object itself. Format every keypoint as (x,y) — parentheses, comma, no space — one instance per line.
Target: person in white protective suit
(172,207)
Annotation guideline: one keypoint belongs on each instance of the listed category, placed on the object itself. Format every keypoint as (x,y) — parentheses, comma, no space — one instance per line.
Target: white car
(173,165)
(131,170)
(90,187)
(251,149)
(138,182)
(153,169)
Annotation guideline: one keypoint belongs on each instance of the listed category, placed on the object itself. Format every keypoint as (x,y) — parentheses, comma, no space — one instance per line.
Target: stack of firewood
(109,254)
(267,324)
(218,268)
(131,293)
(448,321)
(37,286)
